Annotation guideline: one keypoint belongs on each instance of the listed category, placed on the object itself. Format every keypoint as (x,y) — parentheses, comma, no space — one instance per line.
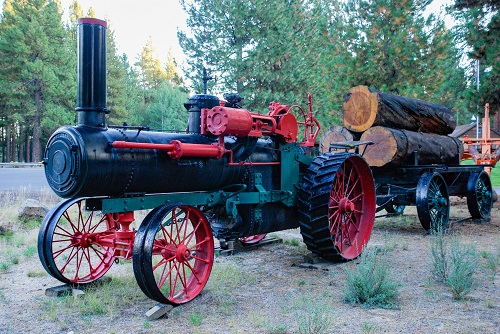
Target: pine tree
(38,79)
(152,72)
(163,96)
(279,65)
(171,70)
(221,38)
(117,69)
(478,29)
(166,110)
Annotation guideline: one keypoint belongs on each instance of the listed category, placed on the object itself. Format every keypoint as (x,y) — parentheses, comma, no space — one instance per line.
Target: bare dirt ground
(266,291)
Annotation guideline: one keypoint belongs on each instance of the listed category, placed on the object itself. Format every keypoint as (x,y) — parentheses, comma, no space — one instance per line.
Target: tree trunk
(8,143)
(36,155)
(3,143)
(398,148)
(335,134)
(364,108)
(22,144)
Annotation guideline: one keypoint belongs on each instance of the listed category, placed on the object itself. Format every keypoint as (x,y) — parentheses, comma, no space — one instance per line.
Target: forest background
(264,50)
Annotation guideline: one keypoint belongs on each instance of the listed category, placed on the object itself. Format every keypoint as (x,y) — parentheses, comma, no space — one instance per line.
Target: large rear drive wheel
(337,206)
(69,245)
(433,202)
(173,253)
(479,195)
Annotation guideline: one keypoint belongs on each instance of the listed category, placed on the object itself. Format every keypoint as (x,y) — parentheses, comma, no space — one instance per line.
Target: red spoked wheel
(70,244)
(173,253)
(351,209)
(336,206)
(252,239)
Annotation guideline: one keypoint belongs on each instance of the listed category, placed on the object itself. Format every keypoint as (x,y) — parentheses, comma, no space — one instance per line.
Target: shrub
(369,284)
(454,264)
(463,265)
(440,255)
(316,320)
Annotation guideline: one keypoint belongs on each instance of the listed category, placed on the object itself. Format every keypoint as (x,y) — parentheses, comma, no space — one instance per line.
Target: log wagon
(412,158)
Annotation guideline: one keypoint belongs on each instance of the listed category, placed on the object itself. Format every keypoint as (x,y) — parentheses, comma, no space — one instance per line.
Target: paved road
(34,178)
(28,178)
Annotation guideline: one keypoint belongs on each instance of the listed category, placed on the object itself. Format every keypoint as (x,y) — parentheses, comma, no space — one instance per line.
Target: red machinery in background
(484,150)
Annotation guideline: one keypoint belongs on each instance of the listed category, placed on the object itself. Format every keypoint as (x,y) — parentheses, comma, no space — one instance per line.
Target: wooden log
(364,108)
(397,147)
(335,134)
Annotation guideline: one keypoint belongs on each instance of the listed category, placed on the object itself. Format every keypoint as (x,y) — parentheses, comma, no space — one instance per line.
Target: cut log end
(360,108)
(384,147)
(334,134)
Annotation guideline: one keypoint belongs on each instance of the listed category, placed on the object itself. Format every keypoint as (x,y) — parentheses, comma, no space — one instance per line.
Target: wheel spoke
(79,259)
(62,250)
(164,275)
(167,236)
(70,221)
(72,254)
(176,278)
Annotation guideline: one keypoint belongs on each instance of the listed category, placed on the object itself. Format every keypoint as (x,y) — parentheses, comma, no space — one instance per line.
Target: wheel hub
(81,239)
(442,201)
(345,206)
(182,253)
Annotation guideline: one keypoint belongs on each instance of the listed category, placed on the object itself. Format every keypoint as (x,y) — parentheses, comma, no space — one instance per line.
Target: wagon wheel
(69,243)
(173,253)
(395,209)
(252,239)
(433,204)
(337,206)
(479,195)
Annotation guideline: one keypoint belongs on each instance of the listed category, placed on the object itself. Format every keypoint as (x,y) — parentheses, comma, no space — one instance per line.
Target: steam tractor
(234,174)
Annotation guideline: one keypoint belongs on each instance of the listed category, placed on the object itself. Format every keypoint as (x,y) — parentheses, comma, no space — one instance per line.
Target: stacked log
(404,131)
(364,108)
(336,134)
(403,147)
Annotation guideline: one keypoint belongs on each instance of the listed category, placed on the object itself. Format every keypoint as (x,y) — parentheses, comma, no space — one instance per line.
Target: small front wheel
(173,253)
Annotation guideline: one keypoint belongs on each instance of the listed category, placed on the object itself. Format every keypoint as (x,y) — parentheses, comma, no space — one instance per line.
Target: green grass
(103,300)
(494,176)
(30,250)
(196,318)
(225,278)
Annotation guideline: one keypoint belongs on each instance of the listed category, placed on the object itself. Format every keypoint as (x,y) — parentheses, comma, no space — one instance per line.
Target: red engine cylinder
(229,121)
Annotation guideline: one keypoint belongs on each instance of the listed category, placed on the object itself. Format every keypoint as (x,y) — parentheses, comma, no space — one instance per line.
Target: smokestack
(91,95)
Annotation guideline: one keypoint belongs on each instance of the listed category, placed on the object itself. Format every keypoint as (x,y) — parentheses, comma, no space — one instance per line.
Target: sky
(133,22)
